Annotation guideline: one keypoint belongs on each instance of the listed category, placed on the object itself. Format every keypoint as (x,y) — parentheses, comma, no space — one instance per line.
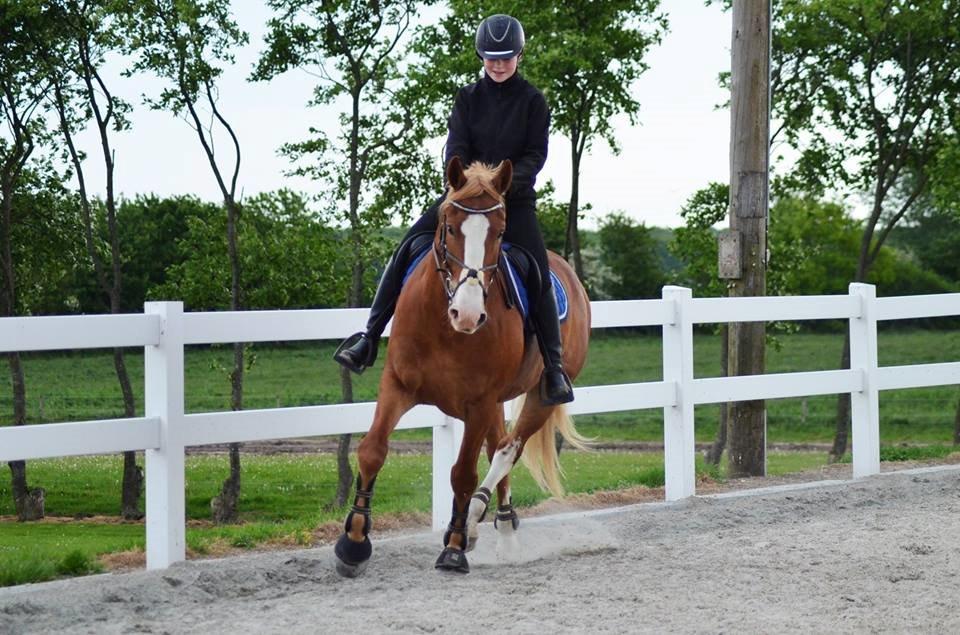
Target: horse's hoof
(347,570)
(453,560)
(352,557)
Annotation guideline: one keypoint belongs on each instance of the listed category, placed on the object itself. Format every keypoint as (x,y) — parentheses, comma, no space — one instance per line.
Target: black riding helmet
(499,37)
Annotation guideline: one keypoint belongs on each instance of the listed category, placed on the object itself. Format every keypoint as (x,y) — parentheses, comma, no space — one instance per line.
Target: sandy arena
(876,555)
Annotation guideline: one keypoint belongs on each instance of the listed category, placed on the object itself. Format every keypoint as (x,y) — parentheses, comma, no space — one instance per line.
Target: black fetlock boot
(352,556)
(555,386)
(359,351)
(452,558)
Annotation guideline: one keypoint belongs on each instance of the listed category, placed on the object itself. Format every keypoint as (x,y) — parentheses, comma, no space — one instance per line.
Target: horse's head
(473,218)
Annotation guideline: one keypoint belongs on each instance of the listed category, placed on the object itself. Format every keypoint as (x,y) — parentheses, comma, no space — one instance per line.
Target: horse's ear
(504,176)
(455,177)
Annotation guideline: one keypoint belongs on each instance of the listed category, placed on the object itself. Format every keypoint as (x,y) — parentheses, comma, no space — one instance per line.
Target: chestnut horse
(456,344)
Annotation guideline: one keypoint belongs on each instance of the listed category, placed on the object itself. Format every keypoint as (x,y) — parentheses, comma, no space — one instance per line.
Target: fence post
(679,448)
(865,404)
(446,447)
(163,388)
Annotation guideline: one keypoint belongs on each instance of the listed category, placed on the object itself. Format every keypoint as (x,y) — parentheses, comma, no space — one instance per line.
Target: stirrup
(566,396)
(345,359)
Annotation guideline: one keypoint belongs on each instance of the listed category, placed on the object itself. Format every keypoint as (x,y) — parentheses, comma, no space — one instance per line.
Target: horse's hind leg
(353,549)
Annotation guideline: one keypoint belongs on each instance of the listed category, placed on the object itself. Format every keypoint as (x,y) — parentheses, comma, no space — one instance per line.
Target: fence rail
(164,330)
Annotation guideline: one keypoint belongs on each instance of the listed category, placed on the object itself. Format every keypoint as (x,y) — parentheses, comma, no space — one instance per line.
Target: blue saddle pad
(514,280)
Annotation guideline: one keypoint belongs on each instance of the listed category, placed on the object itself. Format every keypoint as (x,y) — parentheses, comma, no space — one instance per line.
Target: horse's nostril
(481,319)
(454,314)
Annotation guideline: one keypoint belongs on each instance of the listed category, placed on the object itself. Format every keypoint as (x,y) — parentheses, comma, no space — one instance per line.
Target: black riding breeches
(522,230)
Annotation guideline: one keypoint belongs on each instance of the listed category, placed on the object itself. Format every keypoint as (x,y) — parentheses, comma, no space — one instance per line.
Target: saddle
(518,273)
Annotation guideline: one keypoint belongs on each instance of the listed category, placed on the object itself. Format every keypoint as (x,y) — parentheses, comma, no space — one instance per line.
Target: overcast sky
(679,145)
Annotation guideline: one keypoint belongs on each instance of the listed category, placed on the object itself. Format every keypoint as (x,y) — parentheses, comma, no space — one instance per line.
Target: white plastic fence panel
(679,449)
(773,308)
(446,447)
(865,403)
(64,332)
(286,423)
(918,375)
(163,386)
(72,439)
(775,386)
(918,306)
(615,313)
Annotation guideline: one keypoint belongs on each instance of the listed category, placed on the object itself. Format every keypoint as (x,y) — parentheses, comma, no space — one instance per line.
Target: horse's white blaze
(468,300)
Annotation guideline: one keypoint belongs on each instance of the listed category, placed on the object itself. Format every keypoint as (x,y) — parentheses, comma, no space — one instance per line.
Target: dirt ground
(872,555)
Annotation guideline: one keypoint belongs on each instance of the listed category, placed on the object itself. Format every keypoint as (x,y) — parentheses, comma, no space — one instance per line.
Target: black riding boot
(359,351)
(555,386)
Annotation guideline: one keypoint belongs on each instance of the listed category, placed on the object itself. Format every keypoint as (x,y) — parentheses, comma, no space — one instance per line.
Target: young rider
(502,116)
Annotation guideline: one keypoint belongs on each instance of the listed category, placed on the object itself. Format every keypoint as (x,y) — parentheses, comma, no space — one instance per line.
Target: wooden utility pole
(743,248)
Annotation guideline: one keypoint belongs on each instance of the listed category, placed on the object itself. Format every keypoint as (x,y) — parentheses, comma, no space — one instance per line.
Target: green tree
(629,252)
(151,230)
(275,227)
(183,43)
(584,56)
(867,91)
(23,86)
(695,244)
(376,166)
(81,98)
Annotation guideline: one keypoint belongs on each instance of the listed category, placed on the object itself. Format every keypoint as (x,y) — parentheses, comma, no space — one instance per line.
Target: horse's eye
(451,230)
(500,235)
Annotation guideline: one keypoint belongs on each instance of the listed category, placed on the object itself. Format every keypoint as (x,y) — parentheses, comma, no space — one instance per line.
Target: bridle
(443,267)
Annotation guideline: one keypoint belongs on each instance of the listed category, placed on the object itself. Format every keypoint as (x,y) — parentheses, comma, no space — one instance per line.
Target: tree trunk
(344,471)
(28,502)
(720,442)
(571,247)
(749,164)
(225,506)
(131,487)
(842,432)
(956,425)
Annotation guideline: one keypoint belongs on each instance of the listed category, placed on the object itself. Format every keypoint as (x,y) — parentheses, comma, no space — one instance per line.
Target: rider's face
(501,70)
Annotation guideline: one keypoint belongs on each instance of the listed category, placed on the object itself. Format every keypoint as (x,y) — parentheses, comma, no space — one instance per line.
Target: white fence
(165,430)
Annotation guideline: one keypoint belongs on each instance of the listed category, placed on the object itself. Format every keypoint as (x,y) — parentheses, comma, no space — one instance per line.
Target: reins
(443,268)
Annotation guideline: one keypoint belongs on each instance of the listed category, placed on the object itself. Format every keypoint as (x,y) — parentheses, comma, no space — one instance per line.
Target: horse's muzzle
(467,322)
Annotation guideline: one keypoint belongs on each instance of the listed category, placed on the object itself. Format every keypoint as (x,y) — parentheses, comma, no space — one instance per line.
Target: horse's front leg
(353,549)
(463,478)
(480,502)
(506,520)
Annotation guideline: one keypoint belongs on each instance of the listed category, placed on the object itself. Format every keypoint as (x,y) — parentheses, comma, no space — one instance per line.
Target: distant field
(77,386)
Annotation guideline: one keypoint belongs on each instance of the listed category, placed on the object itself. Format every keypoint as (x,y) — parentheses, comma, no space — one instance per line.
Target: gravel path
(875,555)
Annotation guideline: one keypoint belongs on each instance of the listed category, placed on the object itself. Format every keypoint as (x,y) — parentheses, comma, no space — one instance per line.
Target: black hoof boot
(452,559)
(352,557)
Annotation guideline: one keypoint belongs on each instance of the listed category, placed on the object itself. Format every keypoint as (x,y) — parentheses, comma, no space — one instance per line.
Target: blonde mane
(479,182)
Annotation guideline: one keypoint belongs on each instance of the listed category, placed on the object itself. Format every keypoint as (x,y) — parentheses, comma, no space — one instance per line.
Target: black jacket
(491,122)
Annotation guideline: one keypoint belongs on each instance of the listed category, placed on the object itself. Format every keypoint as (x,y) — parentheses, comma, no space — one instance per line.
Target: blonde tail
(540,451)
